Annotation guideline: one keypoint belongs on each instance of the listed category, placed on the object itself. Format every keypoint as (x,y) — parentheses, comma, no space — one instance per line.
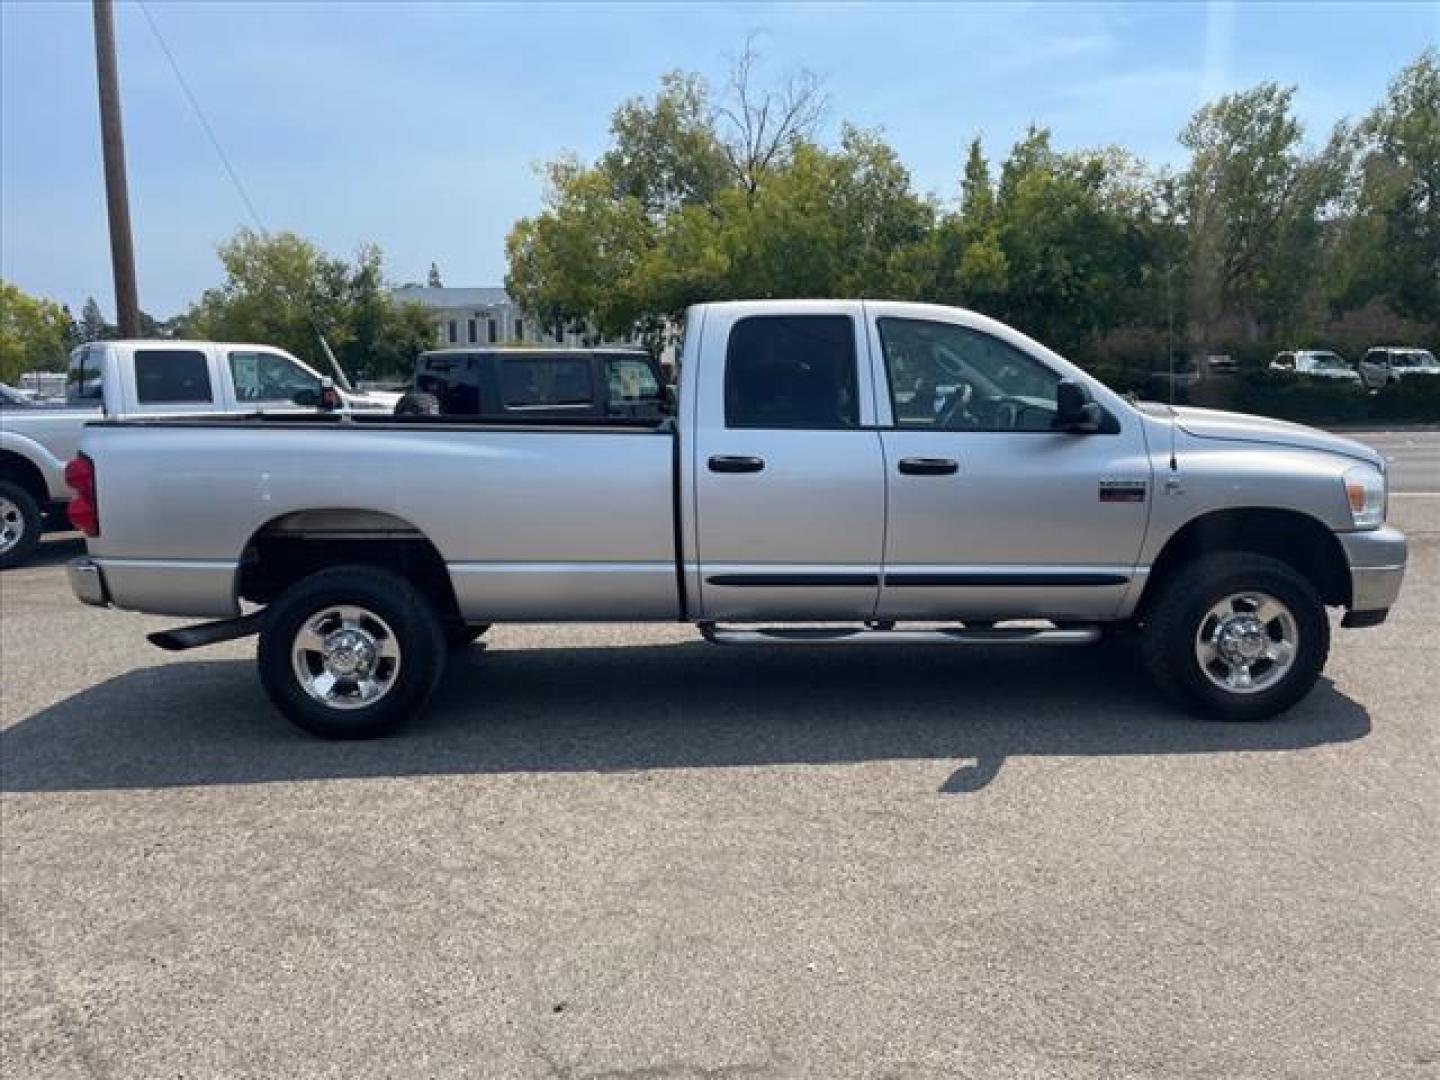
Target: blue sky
(418,127)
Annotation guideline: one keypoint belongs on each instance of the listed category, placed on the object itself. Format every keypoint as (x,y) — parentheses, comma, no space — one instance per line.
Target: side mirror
(1075,412)
(307,399)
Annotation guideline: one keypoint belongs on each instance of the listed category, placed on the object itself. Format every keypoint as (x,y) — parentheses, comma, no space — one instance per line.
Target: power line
(200,115)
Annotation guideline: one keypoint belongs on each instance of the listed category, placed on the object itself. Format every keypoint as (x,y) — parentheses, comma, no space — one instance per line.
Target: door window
(545,382)
(171,377)
(632,386)
(945,377)
(83,382)
(262,376)
(791,371)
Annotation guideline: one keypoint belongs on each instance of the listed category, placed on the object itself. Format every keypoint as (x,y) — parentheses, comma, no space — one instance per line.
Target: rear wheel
(1237,636)
(21,523)
(415,403)
(351,652)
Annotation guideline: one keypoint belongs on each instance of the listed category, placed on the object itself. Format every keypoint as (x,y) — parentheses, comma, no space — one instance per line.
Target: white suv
(1320,363)
(1390,363)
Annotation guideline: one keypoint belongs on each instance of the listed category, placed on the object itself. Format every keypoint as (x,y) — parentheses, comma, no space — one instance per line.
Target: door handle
(735,464)
(928,466)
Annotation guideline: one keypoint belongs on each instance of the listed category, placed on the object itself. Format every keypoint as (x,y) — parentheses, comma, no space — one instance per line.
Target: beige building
(484,316)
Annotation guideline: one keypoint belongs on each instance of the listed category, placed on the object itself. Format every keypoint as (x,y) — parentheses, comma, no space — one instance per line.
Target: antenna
(1170,355)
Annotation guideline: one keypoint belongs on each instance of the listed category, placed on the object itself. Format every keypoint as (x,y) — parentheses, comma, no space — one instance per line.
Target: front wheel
(1237,636)
(351,652)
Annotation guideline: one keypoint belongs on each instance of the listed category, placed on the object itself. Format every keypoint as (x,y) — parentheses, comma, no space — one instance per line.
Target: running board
(210,633)
(845,635)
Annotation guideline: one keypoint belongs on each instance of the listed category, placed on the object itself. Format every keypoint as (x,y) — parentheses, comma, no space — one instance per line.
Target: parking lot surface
(617,852)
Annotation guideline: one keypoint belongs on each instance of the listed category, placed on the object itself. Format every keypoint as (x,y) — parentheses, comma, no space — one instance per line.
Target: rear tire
(351,652)
(1236,636)
(415,403)
(21,523)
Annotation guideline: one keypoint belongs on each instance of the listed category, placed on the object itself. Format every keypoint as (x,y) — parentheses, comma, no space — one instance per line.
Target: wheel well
(21,470)
(1296,539)
(299,544)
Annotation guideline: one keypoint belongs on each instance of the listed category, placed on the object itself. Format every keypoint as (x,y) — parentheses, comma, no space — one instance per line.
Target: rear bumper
(1377,568)
(87,581)
(160,587)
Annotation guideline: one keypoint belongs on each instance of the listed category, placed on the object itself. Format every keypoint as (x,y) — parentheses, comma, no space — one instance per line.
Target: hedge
(1308,400)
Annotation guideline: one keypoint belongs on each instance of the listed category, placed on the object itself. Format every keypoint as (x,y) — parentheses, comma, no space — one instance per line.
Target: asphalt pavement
(613,851)
(1413,456)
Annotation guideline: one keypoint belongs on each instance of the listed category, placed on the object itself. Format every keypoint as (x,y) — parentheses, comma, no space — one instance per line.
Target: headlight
(1365,490)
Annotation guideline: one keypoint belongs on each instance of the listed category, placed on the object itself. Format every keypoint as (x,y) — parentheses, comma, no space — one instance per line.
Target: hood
(1241,427)
(372,401)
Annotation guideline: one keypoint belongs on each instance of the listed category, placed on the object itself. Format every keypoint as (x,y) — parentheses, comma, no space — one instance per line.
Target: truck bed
(533,521)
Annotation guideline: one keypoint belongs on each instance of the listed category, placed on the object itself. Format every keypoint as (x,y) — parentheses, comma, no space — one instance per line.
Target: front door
(991,513)
(789,484)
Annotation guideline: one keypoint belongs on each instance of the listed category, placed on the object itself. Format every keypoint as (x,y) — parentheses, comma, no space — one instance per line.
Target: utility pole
(117,195)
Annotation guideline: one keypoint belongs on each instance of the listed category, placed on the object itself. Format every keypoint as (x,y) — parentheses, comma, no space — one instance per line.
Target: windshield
(1326,361)
(12,399)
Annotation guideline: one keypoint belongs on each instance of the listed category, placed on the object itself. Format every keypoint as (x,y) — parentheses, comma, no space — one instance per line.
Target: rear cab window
(172,377)
(792,371)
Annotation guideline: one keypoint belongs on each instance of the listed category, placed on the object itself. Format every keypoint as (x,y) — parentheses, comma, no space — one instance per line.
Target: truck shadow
(684,705)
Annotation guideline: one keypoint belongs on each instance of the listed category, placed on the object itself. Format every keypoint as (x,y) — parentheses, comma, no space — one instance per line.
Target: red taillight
(84,511)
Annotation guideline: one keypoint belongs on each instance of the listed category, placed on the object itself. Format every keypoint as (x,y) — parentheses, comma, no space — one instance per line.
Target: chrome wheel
(12,525)
(346,657)
(1247,642)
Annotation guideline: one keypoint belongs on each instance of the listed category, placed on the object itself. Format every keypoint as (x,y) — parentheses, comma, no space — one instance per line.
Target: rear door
(788,479)
(170,380)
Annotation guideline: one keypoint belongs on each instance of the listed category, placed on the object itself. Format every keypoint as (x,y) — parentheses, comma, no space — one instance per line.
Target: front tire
(351,653)
(21,523)
(1236,636)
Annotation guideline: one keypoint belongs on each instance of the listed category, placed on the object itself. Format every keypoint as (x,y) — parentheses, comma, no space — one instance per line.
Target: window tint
(632,388)
(791,371)
(171,377)
(537,382)
(263,376)
(83,383)
(953,378)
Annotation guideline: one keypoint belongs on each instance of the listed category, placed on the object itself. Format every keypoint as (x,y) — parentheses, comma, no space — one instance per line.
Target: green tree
(32,333)
(93,326)
(1253,200)
(281,289)
(1388,245)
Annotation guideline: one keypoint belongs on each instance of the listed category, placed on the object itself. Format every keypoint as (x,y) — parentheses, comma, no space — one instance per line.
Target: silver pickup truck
(836,473)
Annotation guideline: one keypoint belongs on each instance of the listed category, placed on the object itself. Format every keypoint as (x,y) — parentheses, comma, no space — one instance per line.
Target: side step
(845,635)
(210,633)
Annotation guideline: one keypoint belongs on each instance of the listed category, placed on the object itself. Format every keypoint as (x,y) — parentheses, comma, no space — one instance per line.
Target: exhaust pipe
(210,633)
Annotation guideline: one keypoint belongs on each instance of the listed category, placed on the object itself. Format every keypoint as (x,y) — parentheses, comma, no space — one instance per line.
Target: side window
(83,383)
(544,382)
(632,388)
(263,376)
(792,371)
(952,378)
(171,377)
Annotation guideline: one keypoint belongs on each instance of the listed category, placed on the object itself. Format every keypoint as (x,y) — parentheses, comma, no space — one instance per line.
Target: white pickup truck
(836,473)
(129,379)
